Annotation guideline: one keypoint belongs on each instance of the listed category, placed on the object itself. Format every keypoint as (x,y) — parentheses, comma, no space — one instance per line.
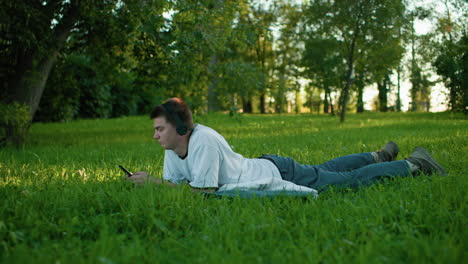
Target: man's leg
(356,161)
(348,162)
(360,177)
(308,175)
(314,175)
(419,161)
(317,178)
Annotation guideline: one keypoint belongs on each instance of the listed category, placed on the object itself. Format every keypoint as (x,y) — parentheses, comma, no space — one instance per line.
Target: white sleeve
(170,171)
(205,167)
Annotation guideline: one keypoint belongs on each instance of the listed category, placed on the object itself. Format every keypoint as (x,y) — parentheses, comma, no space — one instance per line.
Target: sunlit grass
(65,200)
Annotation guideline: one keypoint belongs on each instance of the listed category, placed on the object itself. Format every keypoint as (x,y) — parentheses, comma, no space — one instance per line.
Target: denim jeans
(348,171)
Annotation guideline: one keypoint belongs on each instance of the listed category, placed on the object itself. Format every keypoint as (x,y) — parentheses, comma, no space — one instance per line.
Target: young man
(198,155)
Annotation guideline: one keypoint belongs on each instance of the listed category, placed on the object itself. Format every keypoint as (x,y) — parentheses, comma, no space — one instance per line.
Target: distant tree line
(62,60)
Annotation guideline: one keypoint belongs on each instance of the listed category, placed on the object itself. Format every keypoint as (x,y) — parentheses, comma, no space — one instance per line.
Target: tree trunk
(326,105)
(32,74)
(279,100)
(262,103)
(25,59)
(297,104)
(325,102)
(360,101)
(349,80)
(246,104)
(213,104)
(32,81)
(414,91)
(465,96)
(332,108)
(414,74)
(398,102)
(32,84)
(382,87)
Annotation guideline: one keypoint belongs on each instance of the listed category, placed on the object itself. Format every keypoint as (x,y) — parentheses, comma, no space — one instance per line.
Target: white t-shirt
(211,163)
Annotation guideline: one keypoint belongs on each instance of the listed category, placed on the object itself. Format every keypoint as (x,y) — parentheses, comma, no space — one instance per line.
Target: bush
(80,87)
(14,123)
(124,94)
(60,100)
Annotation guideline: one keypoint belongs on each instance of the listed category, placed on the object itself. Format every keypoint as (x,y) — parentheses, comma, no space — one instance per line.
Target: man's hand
(142,177)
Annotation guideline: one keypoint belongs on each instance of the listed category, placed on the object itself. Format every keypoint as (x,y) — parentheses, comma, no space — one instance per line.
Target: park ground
(64,200)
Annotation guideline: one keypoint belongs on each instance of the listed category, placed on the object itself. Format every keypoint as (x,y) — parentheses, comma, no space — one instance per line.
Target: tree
(239,79)
(451,64)
(355,26)
(242,65)
(201,32)
(419,65)
(451,60)
(259,20)
(35,33)
(322,62)
(384,51)
(287,54)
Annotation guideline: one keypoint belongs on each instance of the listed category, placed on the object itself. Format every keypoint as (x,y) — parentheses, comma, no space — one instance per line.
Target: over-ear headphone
(181,127)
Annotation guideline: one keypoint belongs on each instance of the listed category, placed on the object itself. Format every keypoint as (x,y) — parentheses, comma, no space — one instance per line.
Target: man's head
(171,119)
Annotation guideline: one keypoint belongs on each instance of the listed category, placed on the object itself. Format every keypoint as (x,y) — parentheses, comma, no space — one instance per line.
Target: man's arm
(210,190)
(143,177)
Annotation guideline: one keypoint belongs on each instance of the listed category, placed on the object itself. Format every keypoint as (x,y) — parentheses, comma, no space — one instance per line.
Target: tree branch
(66,24)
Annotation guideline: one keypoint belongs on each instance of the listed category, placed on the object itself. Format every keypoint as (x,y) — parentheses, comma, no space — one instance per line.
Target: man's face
(165,133)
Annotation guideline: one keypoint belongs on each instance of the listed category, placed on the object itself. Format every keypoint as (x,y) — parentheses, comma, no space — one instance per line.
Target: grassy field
(64,200)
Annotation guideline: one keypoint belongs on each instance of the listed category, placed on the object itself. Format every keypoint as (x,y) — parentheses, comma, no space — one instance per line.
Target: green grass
(52,213)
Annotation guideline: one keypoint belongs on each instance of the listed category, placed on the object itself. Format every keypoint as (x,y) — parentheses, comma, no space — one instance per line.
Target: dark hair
(179,107)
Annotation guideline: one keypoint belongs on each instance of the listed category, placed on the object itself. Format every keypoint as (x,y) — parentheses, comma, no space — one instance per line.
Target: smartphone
(125,170)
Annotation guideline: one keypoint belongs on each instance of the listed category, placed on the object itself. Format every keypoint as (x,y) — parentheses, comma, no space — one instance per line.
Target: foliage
(79,88)
(418,66)
(323,65)
(239,78)
(60,100)
(65,200)
(451,64)
(356,33)
(98,37)
(256,23)
(200,31)
(14,123)
(287,55)
(98,59)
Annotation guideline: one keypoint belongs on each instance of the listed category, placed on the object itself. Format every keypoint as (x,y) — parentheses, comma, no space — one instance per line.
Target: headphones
(181,127)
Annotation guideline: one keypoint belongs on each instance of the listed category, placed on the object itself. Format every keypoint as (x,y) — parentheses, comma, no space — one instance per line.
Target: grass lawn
(64,200)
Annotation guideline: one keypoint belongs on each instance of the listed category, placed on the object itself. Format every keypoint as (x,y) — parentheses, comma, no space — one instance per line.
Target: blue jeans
(348,171)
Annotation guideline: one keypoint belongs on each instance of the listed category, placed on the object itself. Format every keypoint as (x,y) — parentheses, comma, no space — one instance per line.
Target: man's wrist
(160,181)
(152,179)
